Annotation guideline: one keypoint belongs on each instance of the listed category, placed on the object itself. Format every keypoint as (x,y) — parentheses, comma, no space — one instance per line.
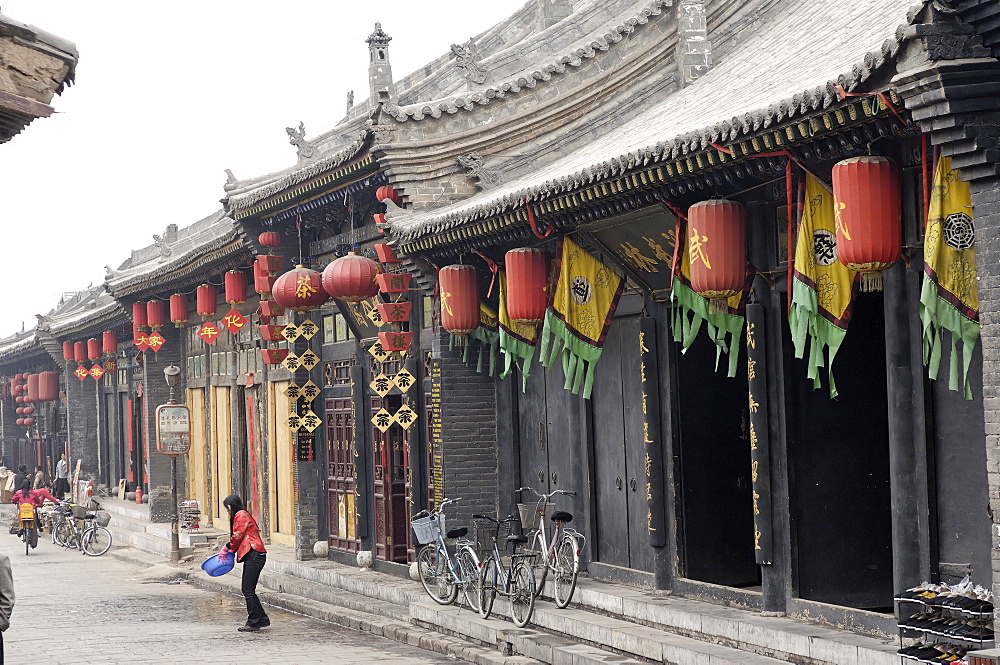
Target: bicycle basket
(79,512)
(103,518)
(529,513)
(483,532)
(426,528)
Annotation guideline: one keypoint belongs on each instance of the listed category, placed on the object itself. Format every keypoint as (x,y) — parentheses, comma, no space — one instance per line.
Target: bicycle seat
(561,516)
(517,540)
(89,516)
(457,532)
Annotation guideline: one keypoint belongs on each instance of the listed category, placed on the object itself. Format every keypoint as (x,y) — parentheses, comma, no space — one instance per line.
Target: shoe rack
(939,625)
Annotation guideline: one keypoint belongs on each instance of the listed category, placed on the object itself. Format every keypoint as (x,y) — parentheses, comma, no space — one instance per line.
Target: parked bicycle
(441,573)
(515,580)
(561,553)
(92,538)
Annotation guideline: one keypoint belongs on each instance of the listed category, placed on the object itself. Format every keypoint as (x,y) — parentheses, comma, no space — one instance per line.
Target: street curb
(393,629)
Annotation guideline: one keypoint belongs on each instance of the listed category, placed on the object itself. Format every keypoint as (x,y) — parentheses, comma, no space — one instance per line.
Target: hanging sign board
(173,429)
(760,469)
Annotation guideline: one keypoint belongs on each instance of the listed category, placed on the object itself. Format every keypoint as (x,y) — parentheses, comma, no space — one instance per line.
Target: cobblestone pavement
(73,609)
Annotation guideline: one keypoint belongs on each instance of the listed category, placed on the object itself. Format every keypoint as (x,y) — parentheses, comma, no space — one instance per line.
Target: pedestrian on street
(21,475)
(41,480)
(6,598)
(62,477)
(246,543)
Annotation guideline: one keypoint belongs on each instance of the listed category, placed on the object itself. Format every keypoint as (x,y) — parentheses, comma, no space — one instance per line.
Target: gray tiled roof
(784,69)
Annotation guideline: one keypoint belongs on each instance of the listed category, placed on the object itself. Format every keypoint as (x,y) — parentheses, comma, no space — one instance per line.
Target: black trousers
(253,563)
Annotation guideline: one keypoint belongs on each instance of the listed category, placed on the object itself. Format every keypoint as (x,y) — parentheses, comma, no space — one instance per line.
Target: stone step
(610,640)
(329,595)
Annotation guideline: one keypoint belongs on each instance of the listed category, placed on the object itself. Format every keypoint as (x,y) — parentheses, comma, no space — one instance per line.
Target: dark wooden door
(389,474)
(619,472)
(340,481)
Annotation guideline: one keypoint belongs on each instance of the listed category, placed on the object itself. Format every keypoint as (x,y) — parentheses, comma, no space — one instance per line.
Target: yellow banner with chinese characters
(949,298)
(577,319)
(823,288)
(517,341)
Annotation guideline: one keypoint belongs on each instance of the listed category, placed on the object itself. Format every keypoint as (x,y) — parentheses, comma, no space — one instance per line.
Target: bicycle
(441,575)
(93,538)
(515,581)
(29,531)
(561,554)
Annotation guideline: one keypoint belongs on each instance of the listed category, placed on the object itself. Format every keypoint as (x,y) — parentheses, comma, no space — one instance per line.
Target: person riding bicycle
(34,497)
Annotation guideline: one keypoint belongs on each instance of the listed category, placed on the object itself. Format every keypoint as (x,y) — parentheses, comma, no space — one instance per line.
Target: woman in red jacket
(245,541)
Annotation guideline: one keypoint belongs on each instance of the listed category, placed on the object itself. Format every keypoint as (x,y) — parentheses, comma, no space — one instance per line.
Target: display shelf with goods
(939,623)
(190,515)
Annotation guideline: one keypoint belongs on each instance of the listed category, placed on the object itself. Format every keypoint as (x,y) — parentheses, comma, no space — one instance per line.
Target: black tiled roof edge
(807,101)
(574,58)
(256,194)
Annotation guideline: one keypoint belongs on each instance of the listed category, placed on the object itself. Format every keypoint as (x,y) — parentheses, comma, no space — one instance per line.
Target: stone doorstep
(631,645)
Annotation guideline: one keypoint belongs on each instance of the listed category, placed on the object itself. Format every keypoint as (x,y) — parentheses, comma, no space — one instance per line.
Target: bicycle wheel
(489,577)
(96,541)
(539,562)
(522,593)
(567,567)
(33,537)
(24,537)
(468,564)
(63,534)
(436,577)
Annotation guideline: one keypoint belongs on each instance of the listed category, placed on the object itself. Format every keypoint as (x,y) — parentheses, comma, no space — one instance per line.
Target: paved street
(72,608)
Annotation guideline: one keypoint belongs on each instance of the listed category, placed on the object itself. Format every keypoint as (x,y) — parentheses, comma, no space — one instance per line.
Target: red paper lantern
(270,309)
(19,399)
(93,348)
(80,350)
(386,254)
(300,289)
(19,411)
(263,280)
(527,285)
(868,206)
(139,314)
(459,289)
(393,282)
(19,422)
(385,192)
(178,309)
(395,341)
(109,343)
(351,278)
(154,314)
(271,333)
(395,312)
(273,356)
(236,287)
(28,422)
(67,350)
(48,386)
(28,410)
(717,248)
(206,297)
(269,239)
(32,388)
(270,262)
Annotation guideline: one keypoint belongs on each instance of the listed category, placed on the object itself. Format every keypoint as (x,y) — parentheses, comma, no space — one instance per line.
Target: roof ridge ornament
(297,137)
(466,60)
(473,162)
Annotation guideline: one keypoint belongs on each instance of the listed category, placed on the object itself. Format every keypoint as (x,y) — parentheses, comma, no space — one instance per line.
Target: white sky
(167,95)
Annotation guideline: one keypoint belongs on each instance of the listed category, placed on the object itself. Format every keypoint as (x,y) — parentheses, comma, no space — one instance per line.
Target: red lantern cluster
(717,248)
(351,278)
(300,289)
(459,292)
(527,285)
(236,287)
(868,209)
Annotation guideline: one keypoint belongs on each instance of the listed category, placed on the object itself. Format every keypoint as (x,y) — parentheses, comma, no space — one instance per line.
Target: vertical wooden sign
(437,453)
(652,462)
(760,473)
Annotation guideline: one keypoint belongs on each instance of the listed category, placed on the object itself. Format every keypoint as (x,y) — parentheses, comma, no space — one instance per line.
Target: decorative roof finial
(379,69)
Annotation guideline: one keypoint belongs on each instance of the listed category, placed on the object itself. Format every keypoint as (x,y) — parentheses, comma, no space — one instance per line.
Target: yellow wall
(197,476)
(279,466)
(221,454)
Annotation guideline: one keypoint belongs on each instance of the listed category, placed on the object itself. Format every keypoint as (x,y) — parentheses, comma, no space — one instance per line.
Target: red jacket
(245,535)
(35,497)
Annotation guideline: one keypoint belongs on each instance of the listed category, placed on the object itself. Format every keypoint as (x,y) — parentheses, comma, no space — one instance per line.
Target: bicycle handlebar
(545,496)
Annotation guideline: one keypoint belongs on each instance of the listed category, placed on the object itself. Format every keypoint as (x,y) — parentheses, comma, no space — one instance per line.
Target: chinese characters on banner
(760,470)
(653,464)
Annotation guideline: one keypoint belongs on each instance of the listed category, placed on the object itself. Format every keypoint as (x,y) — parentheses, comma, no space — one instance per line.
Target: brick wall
(157,392)
(81,423)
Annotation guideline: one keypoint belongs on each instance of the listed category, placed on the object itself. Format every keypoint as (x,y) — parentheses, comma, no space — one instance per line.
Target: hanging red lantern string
(154,314)
(178,309)
(93,348)
(48,386)
(139,314)
(868,208)
(32,384)
(459,299)
(236,287)
(351,278)
(80,351)
(716,238)
(269,239)
(300,289)
(109,342)
(263,280)
(527,285)
(206,297)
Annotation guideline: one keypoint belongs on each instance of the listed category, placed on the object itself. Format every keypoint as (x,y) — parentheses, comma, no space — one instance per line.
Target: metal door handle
(555,478)
(631,484)
(618,482)
(541,476)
